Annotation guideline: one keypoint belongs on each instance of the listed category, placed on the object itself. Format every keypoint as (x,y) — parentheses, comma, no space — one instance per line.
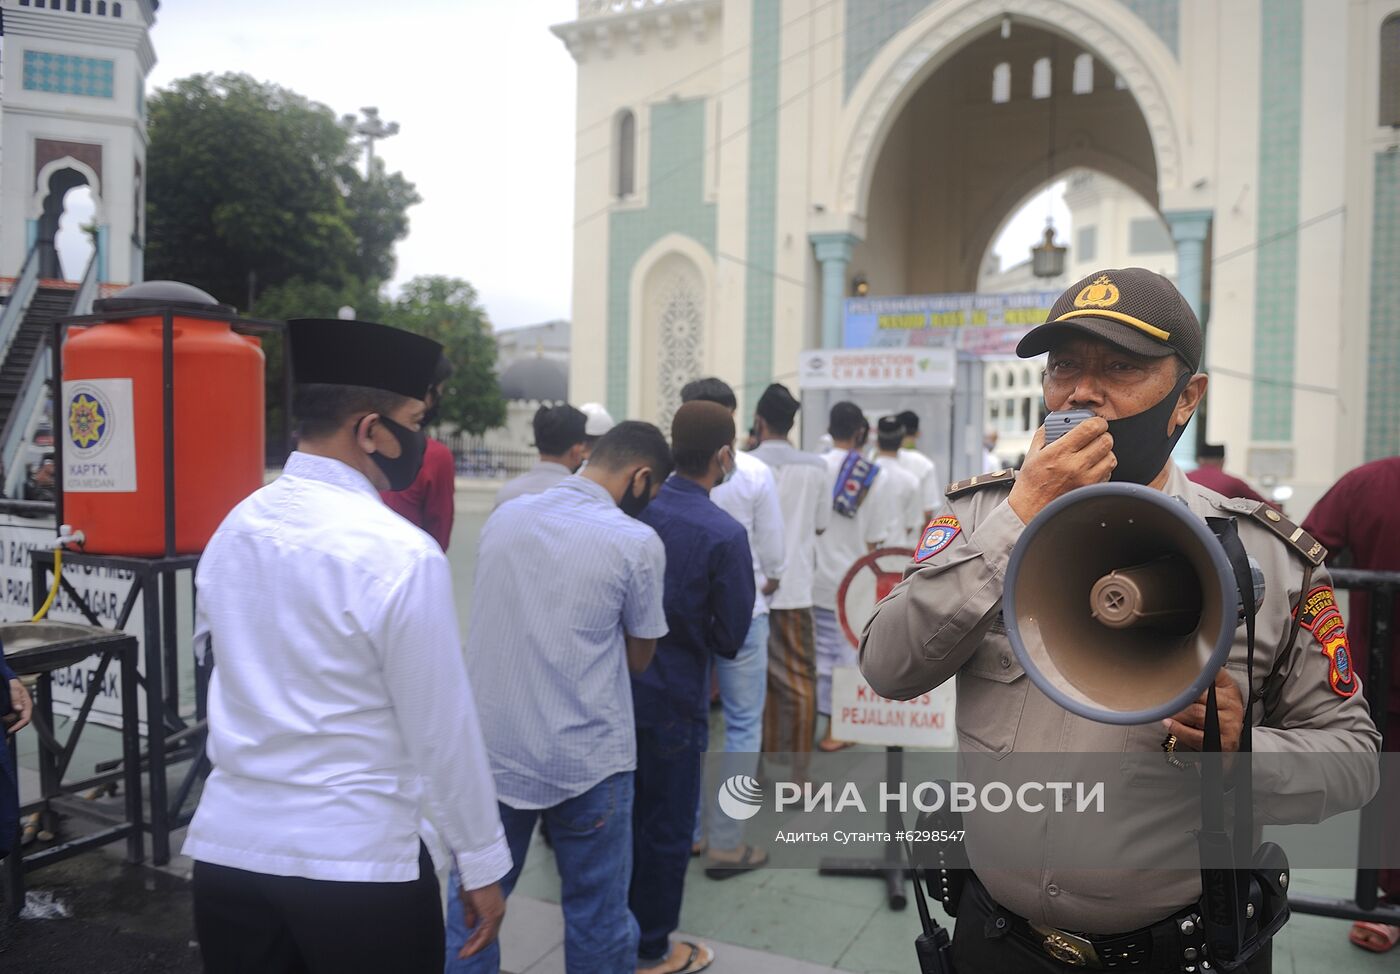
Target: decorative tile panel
(68,74)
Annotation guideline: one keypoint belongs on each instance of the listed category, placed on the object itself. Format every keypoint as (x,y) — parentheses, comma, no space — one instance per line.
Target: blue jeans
(743,688)
(668,786)
(592,836)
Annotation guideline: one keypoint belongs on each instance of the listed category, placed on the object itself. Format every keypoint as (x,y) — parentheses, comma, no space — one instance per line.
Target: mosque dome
(536,379)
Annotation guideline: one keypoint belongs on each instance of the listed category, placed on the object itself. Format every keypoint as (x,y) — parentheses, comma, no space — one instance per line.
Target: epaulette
(1295,537)
(1006,477)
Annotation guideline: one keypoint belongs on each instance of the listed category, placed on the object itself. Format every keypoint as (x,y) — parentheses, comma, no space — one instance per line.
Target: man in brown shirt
(1125,345)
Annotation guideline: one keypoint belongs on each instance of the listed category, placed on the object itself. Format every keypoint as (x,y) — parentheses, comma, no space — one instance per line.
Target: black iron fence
(475,458)
(1383,586)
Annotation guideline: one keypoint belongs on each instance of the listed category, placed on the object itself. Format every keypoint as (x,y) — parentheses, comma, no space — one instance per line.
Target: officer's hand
(22,706)
(1081,457)
(1189,726)
(483,909)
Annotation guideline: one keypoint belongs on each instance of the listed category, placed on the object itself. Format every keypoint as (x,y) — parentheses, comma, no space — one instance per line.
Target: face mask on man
(403,469)
(727,473)
(633,504)
(1140,442)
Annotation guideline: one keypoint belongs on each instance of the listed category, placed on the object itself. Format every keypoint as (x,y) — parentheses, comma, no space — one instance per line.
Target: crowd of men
(350,731)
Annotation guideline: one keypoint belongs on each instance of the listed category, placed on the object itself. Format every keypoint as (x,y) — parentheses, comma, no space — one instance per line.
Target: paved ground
(94,914)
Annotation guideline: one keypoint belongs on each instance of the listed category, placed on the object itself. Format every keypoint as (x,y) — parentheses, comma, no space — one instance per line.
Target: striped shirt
(561,578)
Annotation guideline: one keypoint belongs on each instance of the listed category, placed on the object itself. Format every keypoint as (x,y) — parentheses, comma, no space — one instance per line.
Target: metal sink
(37,647)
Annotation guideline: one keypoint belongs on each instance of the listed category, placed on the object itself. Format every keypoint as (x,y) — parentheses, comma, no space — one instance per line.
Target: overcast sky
(484,95)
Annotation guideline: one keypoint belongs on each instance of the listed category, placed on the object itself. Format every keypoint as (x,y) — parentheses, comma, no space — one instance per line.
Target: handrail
(18,305)
(87,289)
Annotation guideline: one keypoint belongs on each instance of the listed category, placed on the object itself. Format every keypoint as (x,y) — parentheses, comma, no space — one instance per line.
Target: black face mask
(1141,443)
(403,469)
(632,504)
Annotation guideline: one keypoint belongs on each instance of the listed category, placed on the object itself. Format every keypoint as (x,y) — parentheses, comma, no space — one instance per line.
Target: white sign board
(853,368)
(99,455)
(103,589)
(861,715)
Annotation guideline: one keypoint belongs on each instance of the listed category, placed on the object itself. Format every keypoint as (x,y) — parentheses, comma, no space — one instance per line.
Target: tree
(252,186)
(445,309)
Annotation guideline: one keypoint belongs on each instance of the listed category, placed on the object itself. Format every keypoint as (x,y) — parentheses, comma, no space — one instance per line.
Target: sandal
(728,868)
(1377,937)
(830,745)
(698,849)
(696,958)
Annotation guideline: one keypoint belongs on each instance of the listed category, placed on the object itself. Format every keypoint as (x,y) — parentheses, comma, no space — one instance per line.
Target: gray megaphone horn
(1120,603)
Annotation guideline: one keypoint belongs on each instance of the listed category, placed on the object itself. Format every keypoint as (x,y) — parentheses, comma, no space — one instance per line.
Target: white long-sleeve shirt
(751,498)
(340,713)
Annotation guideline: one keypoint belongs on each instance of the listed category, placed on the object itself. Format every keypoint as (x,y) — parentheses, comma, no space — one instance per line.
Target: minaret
(73,112)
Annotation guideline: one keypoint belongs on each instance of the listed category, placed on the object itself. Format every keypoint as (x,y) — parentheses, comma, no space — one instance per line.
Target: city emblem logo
(87,420)
(1102,293)
(740,797)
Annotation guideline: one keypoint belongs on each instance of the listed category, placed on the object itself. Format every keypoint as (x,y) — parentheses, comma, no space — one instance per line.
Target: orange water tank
(111,420)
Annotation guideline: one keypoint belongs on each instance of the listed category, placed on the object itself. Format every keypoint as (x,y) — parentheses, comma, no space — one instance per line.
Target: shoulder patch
(1295,537)
(1005,477)
(1318,613)
(938,535)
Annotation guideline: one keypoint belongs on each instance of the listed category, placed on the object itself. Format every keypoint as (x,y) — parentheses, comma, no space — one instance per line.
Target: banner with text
(983,324)
(103,589)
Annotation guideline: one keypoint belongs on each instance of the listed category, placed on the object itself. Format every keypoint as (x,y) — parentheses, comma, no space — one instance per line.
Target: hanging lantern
(1047,257)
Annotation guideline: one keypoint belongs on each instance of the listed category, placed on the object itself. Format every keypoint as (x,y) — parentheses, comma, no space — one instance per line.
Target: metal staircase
(26,323)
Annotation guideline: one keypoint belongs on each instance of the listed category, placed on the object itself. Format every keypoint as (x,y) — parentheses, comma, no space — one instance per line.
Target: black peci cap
(1131,307)
(1211,451)
(890,425)
(331,351)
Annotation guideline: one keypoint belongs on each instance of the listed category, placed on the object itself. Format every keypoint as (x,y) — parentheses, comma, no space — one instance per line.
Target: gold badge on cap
(1102,293)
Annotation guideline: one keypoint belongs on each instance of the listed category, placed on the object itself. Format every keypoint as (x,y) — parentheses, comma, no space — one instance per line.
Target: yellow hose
(53,590)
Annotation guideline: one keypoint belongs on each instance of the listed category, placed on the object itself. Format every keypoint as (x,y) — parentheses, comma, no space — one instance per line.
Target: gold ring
(1169,745)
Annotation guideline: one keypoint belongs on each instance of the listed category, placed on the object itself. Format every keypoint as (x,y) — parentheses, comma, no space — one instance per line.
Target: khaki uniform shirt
(944,620)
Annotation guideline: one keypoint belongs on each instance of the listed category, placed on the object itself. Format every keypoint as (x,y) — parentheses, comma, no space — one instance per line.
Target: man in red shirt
(1359,518)
(1210,473)
(429,501)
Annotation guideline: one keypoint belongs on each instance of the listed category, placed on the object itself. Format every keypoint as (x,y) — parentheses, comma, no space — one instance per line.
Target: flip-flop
(696,960)
(727,869)
(698,849)
(1376,937)
(831,746)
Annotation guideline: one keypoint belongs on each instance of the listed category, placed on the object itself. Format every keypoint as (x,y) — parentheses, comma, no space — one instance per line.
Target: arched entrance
(999,118)
(671,283)
(55,182)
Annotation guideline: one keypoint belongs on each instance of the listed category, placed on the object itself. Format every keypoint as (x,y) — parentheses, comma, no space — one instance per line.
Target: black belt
(1177,936)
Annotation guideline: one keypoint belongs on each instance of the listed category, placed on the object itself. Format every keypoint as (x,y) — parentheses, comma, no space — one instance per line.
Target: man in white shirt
(864,509)
(560,438)
(925,471)
(790,711)
(567,602)
(340,712)
(750,496)
(909,516)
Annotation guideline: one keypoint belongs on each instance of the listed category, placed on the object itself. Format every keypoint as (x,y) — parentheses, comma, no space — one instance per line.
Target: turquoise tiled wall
(66,74)
(1163,16)
(675,204)
(871,23)
(1276,290)
(761,247)
(1383,360)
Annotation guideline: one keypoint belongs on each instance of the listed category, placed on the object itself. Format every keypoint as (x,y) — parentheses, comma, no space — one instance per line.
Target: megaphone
(1120,603)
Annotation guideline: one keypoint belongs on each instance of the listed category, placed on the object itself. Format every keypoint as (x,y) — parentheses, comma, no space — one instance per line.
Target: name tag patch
(938,535)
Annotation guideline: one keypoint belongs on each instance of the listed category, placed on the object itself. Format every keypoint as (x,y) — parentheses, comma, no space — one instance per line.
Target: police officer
(1125,345)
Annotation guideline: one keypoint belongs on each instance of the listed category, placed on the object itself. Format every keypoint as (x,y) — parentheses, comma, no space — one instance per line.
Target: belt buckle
(1067,948)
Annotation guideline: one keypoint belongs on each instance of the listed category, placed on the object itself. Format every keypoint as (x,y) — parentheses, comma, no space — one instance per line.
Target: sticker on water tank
(99,455)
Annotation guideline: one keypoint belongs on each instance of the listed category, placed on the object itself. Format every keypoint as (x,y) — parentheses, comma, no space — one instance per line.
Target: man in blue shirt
(567,600)
(709,599)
